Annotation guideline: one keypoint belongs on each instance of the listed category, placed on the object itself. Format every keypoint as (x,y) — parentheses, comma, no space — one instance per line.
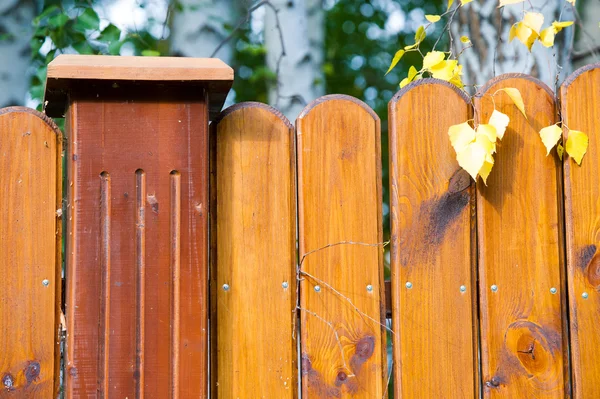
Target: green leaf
(114,48)
(420,34)
(83,48)
(395,60)
(88,20)
(47,12)
(151,53)
(58,21)
(110,34)
(36,44)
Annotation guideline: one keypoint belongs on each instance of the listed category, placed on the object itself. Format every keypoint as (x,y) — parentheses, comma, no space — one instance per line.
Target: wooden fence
(495,291)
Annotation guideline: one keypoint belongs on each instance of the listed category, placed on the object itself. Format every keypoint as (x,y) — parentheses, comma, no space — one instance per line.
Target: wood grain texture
(137,248)
(253,218)
(106,67)
(432,201)
(30,236)
(580,99)
(340,244)
(520,237)
(67,72)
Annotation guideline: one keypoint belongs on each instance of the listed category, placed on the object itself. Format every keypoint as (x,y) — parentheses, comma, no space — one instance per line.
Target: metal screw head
(317,288)
(285,284)
(225,287)
(585,295)
(8,381)
(553,290)
(408,285)
(494,288)
(370,288)
(463,288)
(45,282)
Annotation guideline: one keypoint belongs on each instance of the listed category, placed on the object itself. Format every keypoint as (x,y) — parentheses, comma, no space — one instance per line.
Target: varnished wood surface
(137,248)
(432,204)
(520,239)
(30,282)
(106,67)
(580,99)
(254,222)
(340,248)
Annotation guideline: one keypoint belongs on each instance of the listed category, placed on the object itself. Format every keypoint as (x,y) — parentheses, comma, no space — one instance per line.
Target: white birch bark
(297,70)
(482,21)
(587,47)
(197,28)
(316,37)
(15,22)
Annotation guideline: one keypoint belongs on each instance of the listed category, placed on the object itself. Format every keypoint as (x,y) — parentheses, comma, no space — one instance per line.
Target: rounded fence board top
(69,72)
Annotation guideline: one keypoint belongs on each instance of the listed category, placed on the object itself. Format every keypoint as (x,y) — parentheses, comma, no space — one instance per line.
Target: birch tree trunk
(15,32)
(297,70)
(488,26)
(316,38)
(198,27)
(587,47)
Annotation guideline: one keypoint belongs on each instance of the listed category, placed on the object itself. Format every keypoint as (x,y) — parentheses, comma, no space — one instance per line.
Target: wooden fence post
(580,98)
(433,260)
(137,235)
(253,277)
(30,253)
(520,236)
(341,250)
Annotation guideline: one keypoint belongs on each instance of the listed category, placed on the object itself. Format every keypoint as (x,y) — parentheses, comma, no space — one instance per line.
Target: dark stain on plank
(315,382)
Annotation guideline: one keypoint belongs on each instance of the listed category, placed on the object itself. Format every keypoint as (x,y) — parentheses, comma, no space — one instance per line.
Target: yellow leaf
(572,2)
(485,143)
(450,2)
(465,39)
(461,136)
(404,82)
(534,20)
(499,121)
(412,72)
(547,37)
(577,145)
(420,34)
(558,26)
(515,96)
(419,76)
(507,2)
(395,60)
(433,58)
(525,34)
(444,70)
(472,159)
(560,150)
(550,136)
(488,131)
(412,46)
(512,33)
(465,2)
(432,18)
(485,170)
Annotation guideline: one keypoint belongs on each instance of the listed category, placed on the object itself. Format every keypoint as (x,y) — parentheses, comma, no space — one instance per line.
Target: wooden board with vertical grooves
(30,263)
(253,227)
(520,237)
(580,99)
(137,245)
(340,250)
(433,280)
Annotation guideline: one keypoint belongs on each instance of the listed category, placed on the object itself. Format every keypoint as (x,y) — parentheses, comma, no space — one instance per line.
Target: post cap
(69,71)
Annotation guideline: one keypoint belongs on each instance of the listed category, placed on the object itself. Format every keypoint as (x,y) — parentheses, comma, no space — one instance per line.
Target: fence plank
(341,257)
(580,97)
(520,238)
(253,221)
(30,180)
(433,279)
(137,265)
